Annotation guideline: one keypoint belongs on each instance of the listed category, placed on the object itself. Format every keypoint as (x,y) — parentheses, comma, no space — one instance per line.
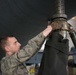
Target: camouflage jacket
(15,64)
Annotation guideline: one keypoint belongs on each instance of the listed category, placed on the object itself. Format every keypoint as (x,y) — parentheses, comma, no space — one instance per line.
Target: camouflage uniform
(15,64)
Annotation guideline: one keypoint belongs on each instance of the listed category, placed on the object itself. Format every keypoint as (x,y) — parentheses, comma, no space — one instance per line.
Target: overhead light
(72,22)
(74,18)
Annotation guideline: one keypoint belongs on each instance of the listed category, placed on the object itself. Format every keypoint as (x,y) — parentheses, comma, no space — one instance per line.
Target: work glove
(56,24)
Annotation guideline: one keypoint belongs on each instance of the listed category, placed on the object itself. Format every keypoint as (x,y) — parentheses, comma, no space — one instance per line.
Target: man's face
(13,44)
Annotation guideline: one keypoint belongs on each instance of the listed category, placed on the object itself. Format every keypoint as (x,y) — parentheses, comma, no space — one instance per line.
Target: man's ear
(7,48)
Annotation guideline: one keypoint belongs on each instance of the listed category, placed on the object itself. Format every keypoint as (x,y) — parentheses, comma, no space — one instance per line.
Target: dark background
(26,18)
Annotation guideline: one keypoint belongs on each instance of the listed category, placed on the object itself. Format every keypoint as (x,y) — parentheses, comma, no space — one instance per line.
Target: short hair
(3,41)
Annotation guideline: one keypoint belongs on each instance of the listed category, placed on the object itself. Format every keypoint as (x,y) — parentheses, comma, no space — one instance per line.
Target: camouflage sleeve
(31,48)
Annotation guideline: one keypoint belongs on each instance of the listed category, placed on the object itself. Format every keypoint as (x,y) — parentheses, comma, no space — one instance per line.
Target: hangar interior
(26,18)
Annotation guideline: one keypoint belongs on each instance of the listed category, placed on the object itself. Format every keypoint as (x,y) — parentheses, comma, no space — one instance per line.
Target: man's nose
(19,44)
